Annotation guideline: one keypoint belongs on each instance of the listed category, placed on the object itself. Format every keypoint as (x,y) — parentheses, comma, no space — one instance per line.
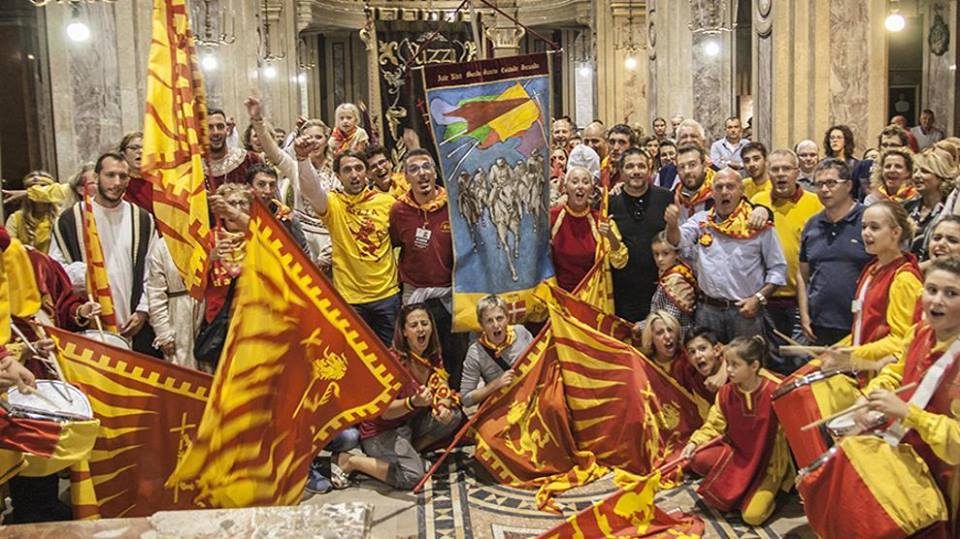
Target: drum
(864,487)
(52,400)
(807,396)
(110,338)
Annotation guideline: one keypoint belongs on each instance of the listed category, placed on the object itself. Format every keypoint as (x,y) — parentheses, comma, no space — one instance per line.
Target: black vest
(69,226)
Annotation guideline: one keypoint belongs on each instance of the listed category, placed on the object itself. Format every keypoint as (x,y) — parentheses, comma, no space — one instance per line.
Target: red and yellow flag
(174,136)
(298,366)
(19,295)
(582,304)
(148,410)
(630,512)
(37,447)
(625,410)
(523,435)
(98,283)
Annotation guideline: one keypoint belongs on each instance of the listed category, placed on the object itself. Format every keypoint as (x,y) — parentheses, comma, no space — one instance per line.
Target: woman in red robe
(751,462)
(581,236)
(930,416)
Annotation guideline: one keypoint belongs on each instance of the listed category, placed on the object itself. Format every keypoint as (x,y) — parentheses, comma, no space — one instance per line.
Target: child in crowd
(705,353)
(676,285)
(751,463)
(348,135)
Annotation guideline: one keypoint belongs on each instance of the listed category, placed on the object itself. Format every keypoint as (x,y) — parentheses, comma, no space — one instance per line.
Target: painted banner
(490,119)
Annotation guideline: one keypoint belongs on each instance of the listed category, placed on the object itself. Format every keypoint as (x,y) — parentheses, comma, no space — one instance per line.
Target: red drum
(807,396)
(864,487)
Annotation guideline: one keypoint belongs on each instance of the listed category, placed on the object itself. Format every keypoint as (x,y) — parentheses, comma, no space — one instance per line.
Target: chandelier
(215,23)
(629,43)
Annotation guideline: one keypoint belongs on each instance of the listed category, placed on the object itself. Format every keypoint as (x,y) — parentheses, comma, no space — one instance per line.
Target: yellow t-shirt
(364,268)
(751,189)
(789,217)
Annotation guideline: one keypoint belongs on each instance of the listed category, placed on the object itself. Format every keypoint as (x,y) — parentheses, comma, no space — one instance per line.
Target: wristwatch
(761,298)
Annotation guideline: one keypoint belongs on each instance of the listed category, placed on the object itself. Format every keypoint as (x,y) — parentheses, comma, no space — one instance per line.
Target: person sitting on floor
(424,413)
(747,468)
(491,356)
(705,354)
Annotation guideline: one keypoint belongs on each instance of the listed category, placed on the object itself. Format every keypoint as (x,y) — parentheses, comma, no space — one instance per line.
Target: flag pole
(470,422)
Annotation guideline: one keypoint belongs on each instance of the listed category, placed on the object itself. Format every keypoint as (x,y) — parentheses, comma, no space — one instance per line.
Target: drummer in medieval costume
(750,464)
(928,416)
(224,164)
(126,234)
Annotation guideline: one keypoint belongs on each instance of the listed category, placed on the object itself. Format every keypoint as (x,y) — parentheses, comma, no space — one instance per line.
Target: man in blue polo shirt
(831,256)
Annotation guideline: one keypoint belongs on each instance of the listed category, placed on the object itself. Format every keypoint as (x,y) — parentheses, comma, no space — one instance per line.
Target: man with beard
(755,162)
(126,236)
(619,138)
(562,129)
(694,192)
(638,211)
(358,218)
(737,267)
(420,227)
(224,164)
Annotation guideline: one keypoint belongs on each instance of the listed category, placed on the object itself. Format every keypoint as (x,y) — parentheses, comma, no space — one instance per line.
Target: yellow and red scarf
(496,350)
(432,205)
(443,396)
(905,193)
(674,283)
(736,225)
(702,195)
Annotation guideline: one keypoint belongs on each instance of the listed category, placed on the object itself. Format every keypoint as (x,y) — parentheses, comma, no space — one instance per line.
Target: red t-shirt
(426,246)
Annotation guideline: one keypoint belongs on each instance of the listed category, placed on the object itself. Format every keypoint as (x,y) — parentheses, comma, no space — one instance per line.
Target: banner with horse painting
(490,121)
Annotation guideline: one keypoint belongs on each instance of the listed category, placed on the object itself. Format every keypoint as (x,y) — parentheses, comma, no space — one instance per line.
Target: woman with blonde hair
(933,178)
(32,223)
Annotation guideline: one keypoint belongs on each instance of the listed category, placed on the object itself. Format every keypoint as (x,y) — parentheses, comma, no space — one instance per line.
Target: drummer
(933,426)
(751,463)
(12,371)
(889,286)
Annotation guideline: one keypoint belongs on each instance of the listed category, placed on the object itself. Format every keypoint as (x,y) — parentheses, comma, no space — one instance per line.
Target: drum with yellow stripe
(864,487)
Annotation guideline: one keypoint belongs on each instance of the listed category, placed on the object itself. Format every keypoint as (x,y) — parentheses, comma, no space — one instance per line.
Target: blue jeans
(381,316)
(346,440)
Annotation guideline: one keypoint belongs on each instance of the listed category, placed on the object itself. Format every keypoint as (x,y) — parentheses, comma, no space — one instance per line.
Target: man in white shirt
(126,236)
(726,151)
(926,134)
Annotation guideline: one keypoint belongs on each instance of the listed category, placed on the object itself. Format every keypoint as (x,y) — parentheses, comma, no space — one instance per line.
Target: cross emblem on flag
(517,310)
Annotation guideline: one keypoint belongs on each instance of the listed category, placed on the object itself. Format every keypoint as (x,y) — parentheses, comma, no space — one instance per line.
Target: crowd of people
(718,254)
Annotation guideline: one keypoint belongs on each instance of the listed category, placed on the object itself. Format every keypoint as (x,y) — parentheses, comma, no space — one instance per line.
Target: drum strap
(858,312)
(924,392)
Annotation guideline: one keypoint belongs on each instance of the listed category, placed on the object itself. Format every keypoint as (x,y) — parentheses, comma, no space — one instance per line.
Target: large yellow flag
(174,136)
(298,366)
(98,283)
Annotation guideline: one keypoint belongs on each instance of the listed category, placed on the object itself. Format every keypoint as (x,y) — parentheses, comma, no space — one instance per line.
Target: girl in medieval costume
(751,462)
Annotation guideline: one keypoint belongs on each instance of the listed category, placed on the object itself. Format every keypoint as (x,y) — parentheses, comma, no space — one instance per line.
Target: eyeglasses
(415,169)
(828,184)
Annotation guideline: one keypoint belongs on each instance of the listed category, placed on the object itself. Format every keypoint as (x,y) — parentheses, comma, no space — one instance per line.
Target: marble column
(670,42)
(940,71)
(504,33)
(621,89)
(99,86)
(828,66)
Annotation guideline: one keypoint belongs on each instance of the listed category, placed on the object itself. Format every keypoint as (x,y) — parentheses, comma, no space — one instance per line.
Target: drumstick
(854,408)
(52,360)
(666,467)
(785,338)
(96,318)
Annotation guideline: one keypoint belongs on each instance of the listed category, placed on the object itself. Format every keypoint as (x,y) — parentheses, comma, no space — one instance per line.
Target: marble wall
(940,71)
(99,86)
(621,92)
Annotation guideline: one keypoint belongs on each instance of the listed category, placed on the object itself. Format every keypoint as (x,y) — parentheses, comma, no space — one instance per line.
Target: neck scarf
(704,193)
(905,193)
(434,204)
(443,396)
(736,225)
(496,350)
